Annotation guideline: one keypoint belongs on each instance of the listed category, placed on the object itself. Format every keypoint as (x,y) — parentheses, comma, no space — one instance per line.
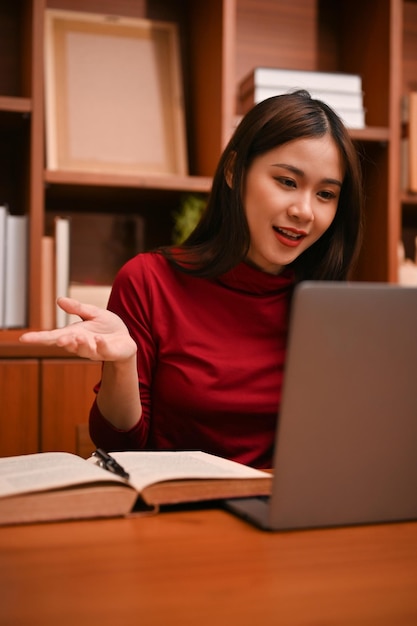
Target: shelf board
(370,133)
(10,346)
(15,105)
(199,184)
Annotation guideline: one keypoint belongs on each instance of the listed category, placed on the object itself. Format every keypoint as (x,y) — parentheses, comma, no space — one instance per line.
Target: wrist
(121,365)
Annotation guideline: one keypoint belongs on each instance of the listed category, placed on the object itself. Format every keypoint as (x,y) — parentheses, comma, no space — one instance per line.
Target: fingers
(61,337)
(86,344)
(69,338)
(80,344)
(75,307)
(45,337)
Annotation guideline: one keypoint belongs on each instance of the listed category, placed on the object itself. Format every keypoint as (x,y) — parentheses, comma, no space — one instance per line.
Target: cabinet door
(66,398)
(19,406)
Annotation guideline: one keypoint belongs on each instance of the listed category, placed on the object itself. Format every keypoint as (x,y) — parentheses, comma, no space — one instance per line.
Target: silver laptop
(346,446)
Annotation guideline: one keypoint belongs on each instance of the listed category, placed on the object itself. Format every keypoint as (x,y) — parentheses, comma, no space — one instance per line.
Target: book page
(146,468)
(48,470)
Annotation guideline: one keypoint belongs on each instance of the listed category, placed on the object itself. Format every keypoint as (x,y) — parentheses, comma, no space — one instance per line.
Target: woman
(203,327)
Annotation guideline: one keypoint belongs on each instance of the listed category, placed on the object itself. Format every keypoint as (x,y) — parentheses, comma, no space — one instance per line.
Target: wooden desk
(206,567)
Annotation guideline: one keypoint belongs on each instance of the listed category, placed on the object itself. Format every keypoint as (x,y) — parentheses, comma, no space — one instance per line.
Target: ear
(229,169)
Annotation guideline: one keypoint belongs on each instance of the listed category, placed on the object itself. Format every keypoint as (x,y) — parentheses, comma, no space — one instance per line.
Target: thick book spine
(47,283)
(16,272)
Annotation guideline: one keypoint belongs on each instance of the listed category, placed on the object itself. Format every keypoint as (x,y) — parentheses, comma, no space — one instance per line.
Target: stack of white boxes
(342,92)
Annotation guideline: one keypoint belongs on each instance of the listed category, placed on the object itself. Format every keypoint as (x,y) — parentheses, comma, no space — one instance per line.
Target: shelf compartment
(16,45)
(118,193)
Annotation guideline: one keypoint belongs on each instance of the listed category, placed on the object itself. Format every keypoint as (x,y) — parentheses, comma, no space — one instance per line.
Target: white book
(3,215)
(345,100)
(62,265)
(16,272)
(352,119)
(301,79)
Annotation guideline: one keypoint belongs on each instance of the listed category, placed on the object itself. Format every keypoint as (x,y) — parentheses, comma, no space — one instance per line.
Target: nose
(301,210)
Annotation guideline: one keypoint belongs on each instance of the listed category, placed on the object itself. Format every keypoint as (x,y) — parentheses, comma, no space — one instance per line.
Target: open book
(54,486)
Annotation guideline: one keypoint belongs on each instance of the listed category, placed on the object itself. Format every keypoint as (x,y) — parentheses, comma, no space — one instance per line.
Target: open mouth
(289,234)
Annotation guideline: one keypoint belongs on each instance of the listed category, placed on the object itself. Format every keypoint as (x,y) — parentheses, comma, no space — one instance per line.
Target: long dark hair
(221,239)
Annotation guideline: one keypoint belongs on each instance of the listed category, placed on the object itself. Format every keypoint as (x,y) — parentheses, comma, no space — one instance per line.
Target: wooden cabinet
(19,406)
(221,41)
(66,390)
(45,403)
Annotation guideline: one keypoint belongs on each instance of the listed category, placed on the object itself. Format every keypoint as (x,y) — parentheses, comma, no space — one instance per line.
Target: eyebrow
(296,170)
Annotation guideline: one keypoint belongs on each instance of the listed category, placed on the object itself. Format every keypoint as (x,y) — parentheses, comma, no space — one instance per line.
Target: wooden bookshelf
(221,41)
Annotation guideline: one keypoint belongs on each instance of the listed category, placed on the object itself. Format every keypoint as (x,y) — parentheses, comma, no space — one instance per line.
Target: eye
(286,182)
(327,195)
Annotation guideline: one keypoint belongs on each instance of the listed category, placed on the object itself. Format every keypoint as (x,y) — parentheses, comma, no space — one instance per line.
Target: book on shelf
(47,282)
(298,79)
(53,486)
(62,266)
(342,92)
(15,271)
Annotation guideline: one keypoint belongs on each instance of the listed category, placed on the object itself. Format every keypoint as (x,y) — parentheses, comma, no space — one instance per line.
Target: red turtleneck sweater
(210,359)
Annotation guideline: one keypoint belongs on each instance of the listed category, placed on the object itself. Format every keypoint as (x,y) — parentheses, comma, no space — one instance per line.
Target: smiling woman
(193,344)
(291,197)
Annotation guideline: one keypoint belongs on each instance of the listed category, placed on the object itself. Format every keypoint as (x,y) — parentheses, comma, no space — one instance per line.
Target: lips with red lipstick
(291,237)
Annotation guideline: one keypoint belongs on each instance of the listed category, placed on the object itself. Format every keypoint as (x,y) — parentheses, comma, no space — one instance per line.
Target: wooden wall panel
(276,34)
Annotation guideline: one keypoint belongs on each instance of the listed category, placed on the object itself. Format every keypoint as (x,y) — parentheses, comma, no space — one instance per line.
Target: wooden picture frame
(113,92)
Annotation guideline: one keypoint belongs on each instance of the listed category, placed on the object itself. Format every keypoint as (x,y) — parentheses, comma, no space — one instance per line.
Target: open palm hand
(100,335)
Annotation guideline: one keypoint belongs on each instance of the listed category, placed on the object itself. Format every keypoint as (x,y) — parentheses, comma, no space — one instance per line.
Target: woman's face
(290,197)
